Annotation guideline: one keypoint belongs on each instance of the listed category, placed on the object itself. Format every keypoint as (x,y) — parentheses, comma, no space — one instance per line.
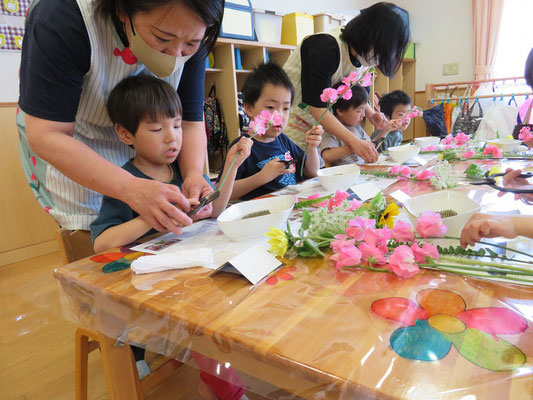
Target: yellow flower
(279,244)
(496,170)
(509,137)
(441,156)
(387,218)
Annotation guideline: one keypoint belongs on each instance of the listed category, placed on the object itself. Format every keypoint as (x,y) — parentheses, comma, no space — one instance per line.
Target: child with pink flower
(350,111)
(275,160)
(395,105)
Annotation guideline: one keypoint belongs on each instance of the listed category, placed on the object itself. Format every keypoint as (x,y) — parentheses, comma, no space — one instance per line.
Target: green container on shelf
(410,51)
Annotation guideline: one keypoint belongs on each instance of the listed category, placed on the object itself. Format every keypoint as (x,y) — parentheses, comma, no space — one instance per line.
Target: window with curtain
(515,39)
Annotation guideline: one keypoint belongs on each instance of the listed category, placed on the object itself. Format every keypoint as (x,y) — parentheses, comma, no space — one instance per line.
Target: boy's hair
(391,100)
(261,75)
(529,69)
(359,96)
(383,29)
(143,96)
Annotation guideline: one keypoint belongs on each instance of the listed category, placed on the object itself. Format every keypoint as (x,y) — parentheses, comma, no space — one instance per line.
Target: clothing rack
(433,91)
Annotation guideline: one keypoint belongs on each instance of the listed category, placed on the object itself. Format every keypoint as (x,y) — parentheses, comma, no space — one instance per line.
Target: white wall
(442,31)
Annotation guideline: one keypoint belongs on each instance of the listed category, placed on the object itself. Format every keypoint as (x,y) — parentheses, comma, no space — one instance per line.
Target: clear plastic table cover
(311,331)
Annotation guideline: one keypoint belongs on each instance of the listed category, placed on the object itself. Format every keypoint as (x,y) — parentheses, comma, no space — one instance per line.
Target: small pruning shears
(491,181)
(209,198)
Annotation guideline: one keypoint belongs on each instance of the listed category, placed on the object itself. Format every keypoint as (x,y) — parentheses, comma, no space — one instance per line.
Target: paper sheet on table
(314,186)
(182,259)
(204,234)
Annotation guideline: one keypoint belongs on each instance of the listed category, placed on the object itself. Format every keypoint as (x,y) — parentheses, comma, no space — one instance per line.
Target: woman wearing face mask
(377,37)
(74,53)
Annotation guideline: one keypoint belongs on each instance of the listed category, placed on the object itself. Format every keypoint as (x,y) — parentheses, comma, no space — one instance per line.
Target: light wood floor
(37,346)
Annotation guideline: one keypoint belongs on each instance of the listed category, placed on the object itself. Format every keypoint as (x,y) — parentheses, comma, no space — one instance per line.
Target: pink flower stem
(231,166)
(527,271)
(369,268)
(481,274)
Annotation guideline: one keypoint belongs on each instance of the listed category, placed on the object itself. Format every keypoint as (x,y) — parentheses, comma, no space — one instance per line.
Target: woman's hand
(378,119)
(161,205)
(195,187)
(511,179)
(364,149)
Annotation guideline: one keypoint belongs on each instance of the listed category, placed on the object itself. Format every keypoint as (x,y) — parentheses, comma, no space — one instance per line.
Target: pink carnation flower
(423,175)
(448,139)
(492,150)
(371,254)
(425,253)
(347,257)
(461,138)
(430,148)
(402,262)
(329,95)
(358,227)
(525,134)
(351,78)
(468,154)
(430,225)
(345,91)
(403,232)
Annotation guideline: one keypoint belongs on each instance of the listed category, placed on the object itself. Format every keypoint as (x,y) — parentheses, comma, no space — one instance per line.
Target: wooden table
(311,330)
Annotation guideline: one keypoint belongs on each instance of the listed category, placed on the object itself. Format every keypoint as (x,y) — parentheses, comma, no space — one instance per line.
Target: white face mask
(161,64)
(369,61)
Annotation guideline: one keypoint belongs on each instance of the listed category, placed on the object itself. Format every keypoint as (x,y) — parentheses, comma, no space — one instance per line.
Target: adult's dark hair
(382,28)
(209,11)
(143,96)
(391,100)
(359,96)
(529,69)
(261,75)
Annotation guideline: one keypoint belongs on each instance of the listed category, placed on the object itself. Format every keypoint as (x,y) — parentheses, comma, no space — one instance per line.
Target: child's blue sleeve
(112,213)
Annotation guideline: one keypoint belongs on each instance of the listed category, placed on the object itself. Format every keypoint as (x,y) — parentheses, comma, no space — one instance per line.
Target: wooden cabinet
(405,79)
(229,80)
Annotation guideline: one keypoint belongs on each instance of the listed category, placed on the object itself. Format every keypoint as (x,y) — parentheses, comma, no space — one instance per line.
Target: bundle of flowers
(365,236)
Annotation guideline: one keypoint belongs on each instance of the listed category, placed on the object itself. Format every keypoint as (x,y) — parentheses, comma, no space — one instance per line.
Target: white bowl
(427,141)
(506,145)
(403,153)
(442,200)
(339,177)
(231,223)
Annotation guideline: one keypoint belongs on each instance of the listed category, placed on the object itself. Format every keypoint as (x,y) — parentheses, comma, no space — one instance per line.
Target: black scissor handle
(204,201)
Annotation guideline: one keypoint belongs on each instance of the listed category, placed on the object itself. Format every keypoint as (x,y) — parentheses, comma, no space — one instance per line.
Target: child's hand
(274,168)
(394,125)
(313,136)
(489,226)
(511,179)
(244,145)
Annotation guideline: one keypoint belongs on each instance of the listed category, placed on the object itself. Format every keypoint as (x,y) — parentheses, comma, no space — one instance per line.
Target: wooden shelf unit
(229,80)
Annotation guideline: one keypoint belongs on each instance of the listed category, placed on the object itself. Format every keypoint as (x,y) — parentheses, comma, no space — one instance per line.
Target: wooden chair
(73,246)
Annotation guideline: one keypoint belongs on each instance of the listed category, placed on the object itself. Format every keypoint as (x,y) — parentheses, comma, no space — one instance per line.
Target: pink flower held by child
(329,95)
(425,253)
(493,150)
(367,80)
(351,78)
(430,225)
(345,91)
(403,232)
(402,262)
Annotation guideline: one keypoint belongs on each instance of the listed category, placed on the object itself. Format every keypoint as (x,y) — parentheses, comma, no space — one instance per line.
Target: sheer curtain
(515,39)
(486,15)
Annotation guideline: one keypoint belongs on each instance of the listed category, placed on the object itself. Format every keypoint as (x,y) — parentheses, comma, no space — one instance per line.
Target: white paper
(400,196)
(182,259)
(255,263)
(366,190)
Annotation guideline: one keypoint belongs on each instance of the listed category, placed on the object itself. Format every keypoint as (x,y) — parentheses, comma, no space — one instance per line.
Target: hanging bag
(527,122)
(215,128)
(467,122)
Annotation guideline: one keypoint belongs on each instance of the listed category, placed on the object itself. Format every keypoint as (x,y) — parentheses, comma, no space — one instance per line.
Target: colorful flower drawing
(281,274)
(441,319)
(117,261)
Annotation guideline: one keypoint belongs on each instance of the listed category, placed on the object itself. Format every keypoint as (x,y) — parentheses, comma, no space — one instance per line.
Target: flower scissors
(491,181)
(204,201)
